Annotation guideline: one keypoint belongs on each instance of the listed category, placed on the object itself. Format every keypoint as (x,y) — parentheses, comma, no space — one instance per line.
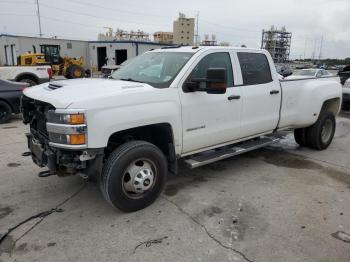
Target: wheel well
(331,105)
(27,76)
(160,135)
(7,102)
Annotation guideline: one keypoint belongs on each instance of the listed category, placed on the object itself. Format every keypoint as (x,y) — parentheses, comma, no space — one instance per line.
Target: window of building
(214,60)
(255,68)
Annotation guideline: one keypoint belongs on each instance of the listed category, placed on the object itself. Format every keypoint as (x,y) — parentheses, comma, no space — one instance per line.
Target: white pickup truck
(33,75)
(194,104)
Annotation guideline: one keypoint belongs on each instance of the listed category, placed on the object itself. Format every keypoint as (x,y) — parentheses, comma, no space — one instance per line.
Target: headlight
(67,129)
(67,119)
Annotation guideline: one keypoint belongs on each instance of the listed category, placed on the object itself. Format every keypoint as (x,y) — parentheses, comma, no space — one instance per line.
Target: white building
(11,46)
(95,53)
(116,52)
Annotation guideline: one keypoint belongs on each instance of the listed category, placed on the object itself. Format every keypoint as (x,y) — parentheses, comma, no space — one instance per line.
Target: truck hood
(65,93)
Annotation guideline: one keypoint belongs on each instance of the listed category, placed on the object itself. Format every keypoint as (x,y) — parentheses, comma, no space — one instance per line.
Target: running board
(214,155)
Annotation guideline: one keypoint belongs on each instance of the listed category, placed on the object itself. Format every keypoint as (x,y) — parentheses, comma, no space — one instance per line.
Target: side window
(214,60)
(255,68)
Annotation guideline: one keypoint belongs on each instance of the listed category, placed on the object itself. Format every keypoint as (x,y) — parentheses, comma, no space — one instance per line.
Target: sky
(235,21)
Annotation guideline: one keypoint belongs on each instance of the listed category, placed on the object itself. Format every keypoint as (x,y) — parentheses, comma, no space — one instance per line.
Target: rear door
(261,94)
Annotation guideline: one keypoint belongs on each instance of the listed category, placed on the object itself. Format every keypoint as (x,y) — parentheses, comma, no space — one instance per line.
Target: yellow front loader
(50,55)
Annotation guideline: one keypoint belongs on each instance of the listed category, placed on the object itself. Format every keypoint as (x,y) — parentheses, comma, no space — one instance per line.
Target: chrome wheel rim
(326,131)
(139,178)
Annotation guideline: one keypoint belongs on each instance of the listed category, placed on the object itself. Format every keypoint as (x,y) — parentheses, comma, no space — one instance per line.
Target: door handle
(234,97)
(273,92)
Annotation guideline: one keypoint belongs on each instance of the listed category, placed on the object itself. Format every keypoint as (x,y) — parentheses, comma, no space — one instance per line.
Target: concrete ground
(281,203)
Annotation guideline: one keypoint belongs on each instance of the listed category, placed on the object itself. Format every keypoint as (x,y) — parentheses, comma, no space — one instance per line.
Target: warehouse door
(120,56)
(101,57)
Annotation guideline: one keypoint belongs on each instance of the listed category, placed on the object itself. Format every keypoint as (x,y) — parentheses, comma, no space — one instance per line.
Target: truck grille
(34,113)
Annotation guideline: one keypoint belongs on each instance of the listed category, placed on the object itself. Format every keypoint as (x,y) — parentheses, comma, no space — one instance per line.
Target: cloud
(236,21)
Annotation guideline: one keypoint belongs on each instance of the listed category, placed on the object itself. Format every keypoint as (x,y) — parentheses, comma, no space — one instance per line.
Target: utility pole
(320,54)
(38,13)
(197,35)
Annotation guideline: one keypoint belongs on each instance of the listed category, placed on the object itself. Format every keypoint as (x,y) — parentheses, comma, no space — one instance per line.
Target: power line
(116,10)
(230,27)
(16,2)
(15,14)
(94,16)
(71,22)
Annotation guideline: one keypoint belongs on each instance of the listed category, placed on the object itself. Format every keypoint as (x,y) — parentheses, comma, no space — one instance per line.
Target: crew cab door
(261,94)
(210,119)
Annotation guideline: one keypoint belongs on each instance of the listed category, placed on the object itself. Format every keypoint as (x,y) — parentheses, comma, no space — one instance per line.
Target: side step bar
(214,155)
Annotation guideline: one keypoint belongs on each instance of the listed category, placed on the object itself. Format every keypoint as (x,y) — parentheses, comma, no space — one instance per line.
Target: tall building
(277,42)
(163,37)
(183,30)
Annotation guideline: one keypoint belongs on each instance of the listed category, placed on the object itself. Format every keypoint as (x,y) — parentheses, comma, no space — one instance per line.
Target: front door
(210,119)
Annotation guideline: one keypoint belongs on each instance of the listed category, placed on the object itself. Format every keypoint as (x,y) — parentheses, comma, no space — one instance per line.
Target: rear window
(255,68)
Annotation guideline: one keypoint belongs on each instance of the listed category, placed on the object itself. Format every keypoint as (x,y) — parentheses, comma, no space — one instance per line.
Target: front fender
(121,115)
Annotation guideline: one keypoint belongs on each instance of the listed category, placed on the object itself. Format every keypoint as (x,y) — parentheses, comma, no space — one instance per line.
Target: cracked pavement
(280,203)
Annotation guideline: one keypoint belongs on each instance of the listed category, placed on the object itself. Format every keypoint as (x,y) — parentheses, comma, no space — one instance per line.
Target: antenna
(38,13)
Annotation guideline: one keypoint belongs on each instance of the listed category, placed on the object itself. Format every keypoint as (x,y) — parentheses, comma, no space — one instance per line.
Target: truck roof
(194,49)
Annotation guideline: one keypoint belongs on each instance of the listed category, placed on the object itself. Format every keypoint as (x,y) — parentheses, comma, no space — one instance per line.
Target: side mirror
(216,81)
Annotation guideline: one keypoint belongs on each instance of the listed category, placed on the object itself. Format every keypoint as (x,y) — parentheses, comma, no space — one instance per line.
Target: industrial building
(116,52)
(164,37)
(183,30)
(277,42)
(95,53)
(111,48)
(11,46)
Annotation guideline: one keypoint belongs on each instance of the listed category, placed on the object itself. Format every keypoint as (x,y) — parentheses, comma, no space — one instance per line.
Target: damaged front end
(58,140)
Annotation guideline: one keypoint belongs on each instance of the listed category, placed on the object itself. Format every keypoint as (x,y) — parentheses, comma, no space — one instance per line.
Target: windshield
(157,69)
(310,72)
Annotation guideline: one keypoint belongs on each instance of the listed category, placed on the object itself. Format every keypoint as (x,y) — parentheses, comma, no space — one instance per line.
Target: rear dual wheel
(318,136)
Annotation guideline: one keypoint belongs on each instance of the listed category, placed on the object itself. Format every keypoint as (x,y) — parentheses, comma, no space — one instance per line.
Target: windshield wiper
(130,80)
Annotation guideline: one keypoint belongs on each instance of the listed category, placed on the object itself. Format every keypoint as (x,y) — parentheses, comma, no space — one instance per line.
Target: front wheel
(133,175)
(320,135)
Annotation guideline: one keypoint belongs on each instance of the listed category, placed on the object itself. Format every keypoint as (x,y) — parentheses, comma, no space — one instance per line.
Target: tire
(5,112)
(29,81)
(75,71)
(320,135)
(122,170)
(300,136)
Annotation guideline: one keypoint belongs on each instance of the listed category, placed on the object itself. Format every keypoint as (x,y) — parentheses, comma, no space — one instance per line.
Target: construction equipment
(50,55)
